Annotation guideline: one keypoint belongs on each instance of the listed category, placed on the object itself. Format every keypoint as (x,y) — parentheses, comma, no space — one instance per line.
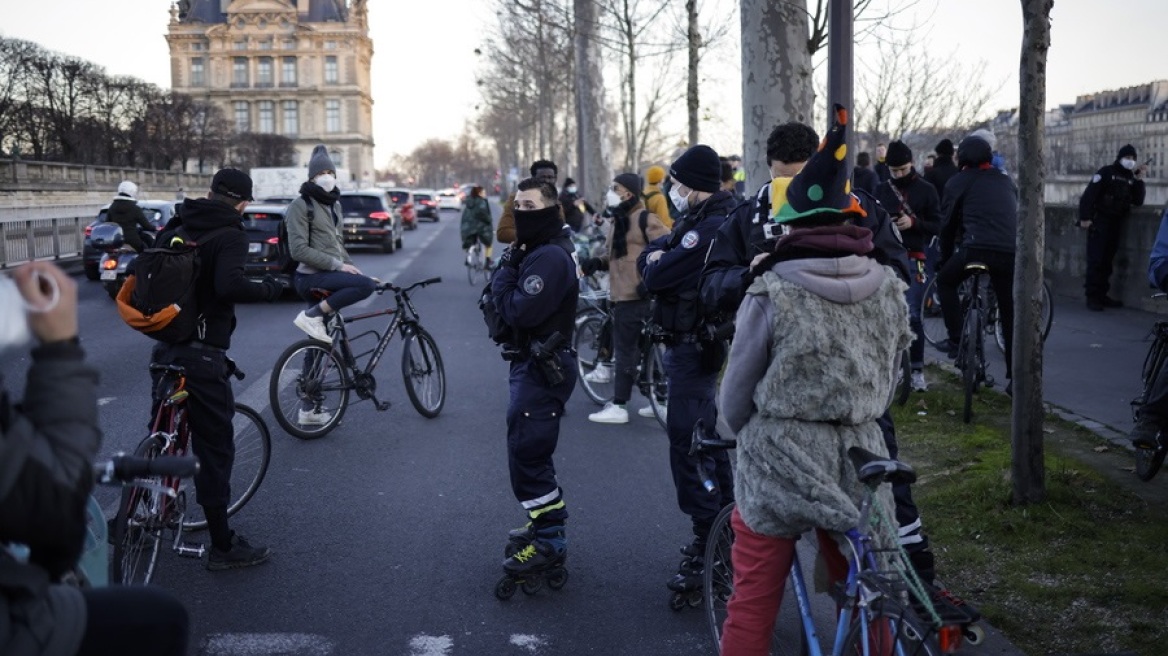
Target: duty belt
(672,339)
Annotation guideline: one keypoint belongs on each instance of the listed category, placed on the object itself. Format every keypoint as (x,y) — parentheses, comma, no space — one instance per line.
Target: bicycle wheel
(1148,461)
(932,322)
(904,635)
(253,454)
(422,372)
(137,535)
(718,585)
(474,262)
(658,382)
(1045,319)
(309,390)
(594,362)
(970,336)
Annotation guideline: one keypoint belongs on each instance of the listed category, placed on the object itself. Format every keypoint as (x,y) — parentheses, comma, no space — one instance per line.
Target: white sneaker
(313,418)
(647,412)
(611,414)
(312,326)
(918,382)
(601,374)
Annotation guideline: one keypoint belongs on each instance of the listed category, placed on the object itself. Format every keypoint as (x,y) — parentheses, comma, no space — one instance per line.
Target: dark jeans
(210,413)
(1001,274)
(916,292)
(133,621)
(346,288)
(533,431)
(1102,244)
(628,318)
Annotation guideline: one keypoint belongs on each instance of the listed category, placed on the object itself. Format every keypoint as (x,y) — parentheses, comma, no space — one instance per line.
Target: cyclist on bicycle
(915,208)
(844,314)
(626,234)
(979,212)
(1153,412)
(476,222)
(316,243)
(47,447)
(211,401)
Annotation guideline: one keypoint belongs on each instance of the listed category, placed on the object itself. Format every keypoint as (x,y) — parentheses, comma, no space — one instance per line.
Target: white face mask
(1127,163)
(14,309)
(679,201)
(571,189)
(611,198)
(326,181)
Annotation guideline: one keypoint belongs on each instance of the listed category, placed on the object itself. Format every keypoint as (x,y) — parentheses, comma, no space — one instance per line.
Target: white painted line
(267,644)
(531,643)
(106,400)
(424,645)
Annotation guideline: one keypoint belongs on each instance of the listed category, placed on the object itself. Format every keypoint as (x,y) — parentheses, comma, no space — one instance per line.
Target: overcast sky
(424,64)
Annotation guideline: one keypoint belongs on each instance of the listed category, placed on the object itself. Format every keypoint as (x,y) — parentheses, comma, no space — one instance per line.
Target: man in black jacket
(981,207)
(943,167)
(1103,208)
(125,212)
(916,210)
(211,405)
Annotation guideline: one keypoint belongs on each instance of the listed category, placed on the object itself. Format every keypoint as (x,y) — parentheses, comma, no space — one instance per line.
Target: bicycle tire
(970,335)
(253,454)
(138,527)
(1149,461)
(658,383)
(1046,319)
(287,389)
(906,636)
(474,264)
(932,320)
(423,373)
(588,348)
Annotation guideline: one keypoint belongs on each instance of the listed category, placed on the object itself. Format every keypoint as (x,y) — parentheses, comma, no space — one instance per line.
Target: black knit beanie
(945,148)
(898,154)
(699,169)
(630,181)
(1127,151)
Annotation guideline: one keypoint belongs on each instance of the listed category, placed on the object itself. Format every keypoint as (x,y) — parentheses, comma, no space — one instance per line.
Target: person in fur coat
(811,368)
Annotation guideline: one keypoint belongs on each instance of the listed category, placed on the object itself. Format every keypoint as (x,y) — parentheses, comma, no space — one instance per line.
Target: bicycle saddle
(871,468)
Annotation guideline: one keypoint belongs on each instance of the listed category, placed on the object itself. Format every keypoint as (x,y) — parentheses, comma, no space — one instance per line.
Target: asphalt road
(388,533)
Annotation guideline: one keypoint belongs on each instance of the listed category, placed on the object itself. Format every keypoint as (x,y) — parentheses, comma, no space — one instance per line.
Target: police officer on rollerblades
(670,267)
(534,291)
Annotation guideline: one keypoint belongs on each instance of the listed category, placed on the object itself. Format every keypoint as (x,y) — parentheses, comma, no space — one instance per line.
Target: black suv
(157,212)
(367,217)
(262,221)
(426,202)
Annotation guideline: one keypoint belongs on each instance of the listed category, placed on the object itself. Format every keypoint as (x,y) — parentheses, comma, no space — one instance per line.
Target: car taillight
(88,230)
(379,216)
(111,263)
(273,240)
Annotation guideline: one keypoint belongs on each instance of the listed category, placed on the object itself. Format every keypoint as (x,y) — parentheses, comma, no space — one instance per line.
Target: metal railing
(41,239)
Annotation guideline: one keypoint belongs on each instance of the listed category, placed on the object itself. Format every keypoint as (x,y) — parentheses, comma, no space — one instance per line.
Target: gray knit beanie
(320,161)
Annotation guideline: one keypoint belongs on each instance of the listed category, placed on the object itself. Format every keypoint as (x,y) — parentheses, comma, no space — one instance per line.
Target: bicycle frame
(404,316)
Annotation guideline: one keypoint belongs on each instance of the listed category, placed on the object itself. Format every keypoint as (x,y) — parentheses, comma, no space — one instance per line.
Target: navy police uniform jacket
(680,267)
(538,297)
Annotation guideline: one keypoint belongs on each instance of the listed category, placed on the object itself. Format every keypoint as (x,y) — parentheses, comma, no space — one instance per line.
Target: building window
(330,45)
(242,116)
(289,44)
(288,72)
(198,46)
(267,112)
(239,45)
(338,159)
(332,116)
(198,77)
(330,70)
(291,117)
(239,72)
(264,72)
(266,44)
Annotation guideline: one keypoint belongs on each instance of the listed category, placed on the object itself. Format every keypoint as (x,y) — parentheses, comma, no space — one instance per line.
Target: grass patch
(1085,571)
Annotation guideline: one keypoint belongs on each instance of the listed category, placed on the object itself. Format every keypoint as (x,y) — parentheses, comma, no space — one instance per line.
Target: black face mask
(533,227)
(905,181)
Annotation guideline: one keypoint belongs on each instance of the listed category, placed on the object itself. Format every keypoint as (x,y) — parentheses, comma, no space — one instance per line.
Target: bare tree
(702,30)
(1028,467)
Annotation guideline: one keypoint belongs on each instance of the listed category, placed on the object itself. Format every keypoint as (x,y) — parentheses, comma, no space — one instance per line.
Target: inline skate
(687,583)
(534,557)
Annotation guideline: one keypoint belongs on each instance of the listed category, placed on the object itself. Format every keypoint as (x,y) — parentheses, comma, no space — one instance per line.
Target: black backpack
(497,329)
(159,299)
(283,251)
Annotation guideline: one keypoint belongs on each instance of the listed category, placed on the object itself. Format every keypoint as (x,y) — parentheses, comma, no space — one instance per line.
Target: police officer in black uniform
(749,235)
(1107,201)
(670,267)
(534,290)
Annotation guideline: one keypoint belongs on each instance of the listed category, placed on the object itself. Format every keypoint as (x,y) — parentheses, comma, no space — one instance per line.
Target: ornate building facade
(298,68)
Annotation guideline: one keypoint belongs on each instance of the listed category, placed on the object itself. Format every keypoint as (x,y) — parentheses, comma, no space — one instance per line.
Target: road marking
(105,400)
(424,645)
(262,644)
(531,643)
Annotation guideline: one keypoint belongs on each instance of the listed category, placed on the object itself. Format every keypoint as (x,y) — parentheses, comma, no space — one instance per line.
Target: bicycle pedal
(189,550)
(381,406)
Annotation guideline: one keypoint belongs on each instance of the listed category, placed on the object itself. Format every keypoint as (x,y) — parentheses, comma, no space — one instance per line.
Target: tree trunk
(776,77)
(591,132)
(694,43)
(1028,466)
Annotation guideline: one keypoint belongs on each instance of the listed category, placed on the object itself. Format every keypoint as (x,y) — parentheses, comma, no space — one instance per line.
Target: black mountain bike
(971,348)
(311,382)
(1148,461)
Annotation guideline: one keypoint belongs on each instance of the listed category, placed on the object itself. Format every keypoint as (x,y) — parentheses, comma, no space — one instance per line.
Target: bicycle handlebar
(125,469)
(389,286)
(697,449)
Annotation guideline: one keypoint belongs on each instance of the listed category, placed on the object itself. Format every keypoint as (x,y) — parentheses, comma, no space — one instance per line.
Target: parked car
(157,212)
(403,199)
(448,200)
(277,200)
(262,221)
(426,204)
(367,217)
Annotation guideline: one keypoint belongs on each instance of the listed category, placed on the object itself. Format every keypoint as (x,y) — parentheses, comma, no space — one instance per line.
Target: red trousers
(761,566)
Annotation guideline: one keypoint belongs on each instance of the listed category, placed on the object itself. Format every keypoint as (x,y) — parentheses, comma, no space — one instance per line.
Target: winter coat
(865,178)
(1111,194)
(623,276)
(1158,262)
(320,246)
(923,206)
(980,206)
(811,368)
(943,169)
(47,449)
(657,204)
(126,213)
(476,217)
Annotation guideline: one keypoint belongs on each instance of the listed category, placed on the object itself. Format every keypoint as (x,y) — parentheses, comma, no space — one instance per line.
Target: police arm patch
(690,239)
(532,285)
(1096,178)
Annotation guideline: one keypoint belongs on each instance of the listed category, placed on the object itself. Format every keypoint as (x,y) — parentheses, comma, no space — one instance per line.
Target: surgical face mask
(679,201)
(571,189)
(14,309)
(326,181)
(611,198)
(1128,163)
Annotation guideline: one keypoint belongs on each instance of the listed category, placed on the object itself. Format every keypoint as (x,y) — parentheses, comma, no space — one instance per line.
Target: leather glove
(274,288)
(590,266)
(511,257)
